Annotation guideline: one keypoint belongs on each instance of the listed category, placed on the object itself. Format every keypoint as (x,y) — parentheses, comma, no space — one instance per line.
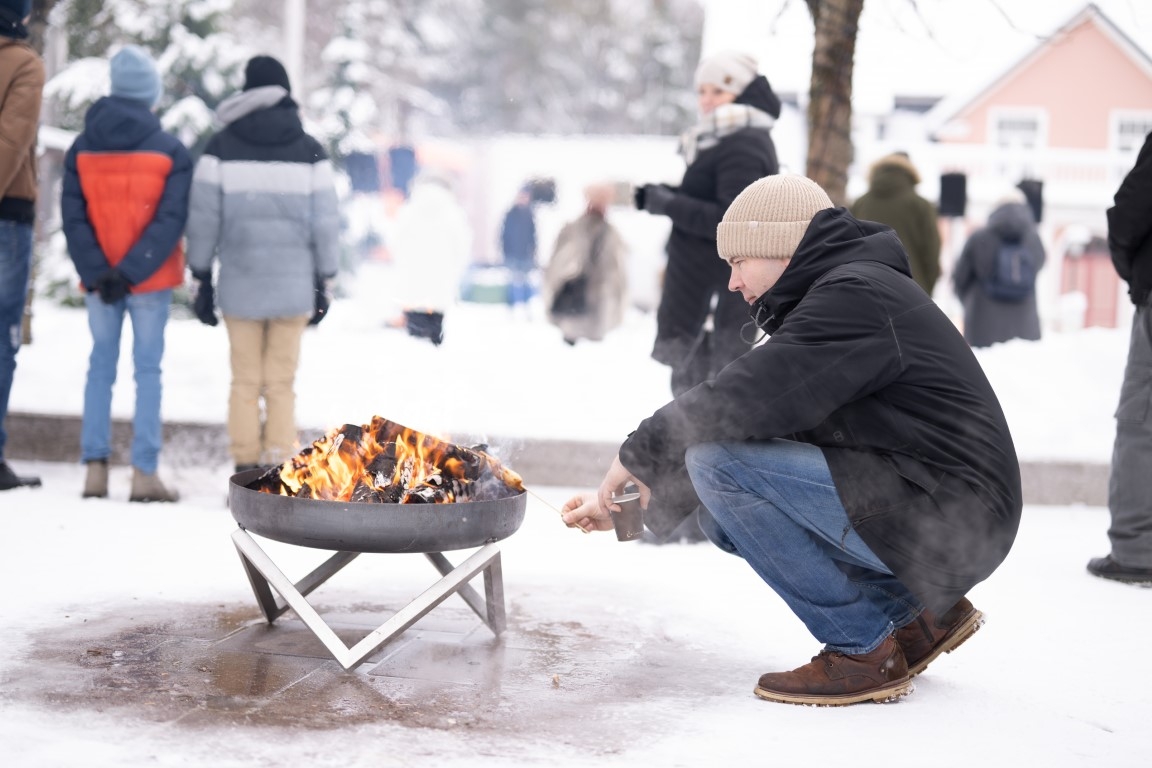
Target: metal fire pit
(352,528)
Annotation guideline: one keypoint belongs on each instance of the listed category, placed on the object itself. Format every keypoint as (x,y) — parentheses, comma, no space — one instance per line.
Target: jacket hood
(115,123)
(1011,221)
(833,238)
(11,25)
(759,94)
(892,175)
(264,115)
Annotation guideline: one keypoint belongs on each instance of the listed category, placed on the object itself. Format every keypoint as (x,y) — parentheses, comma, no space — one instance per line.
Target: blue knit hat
(134,75)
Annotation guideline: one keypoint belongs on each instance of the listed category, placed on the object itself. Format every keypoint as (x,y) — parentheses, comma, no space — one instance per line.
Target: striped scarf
(722,121)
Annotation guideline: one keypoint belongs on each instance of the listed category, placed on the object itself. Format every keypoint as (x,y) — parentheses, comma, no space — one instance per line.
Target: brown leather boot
(834,679)
(928,635)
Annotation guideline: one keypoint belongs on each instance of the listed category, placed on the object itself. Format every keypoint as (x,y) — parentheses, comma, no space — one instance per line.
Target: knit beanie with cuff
(769,218)
(730,71)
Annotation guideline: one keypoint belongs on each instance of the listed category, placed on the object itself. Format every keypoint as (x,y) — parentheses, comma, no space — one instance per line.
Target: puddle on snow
(199,665)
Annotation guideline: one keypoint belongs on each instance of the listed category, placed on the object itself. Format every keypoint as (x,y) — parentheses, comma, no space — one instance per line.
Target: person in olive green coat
(891,199)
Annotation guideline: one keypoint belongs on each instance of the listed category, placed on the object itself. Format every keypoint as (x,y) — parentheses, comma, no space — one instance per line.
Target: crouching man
(858,460)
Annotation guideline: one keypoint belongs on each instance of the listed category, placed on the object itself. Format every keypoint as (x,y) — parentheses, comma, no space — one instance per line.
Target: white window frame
(1038,114)
(1119,116)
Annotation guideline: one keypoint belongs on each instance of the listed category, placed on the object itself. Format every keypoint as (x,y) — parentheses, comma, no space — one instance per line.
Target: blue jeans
(15,265)
(149,315)
(519,285)
(774,504)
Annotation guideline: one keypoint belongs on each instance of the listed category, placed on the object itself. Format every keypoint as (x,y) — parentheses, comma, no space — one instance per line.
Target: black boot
(10,480)
(1107,568)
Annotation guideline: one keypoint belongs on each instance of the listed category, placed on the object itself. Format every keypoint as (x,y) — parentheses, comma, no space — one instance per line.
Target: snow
(1048,681)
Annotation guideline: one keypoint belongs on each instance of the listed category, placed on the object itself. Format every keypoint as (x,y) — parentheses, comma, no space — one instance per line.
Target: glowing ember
(384,462)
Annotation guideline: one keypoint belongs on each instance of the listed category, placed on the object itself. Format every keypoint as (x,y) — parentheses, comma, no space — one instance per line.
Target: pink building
(1072,113)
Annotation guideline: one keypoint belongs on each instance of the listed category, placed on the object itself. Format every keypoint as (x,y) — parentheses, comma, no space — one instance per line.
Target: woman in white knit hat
(729,148)
(858,460)
(699,323)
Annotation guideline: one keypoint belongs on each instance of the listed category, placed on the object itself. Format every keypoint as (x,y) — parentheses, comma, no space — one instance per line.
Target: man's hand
(613,483)
(583,511)
(594,512)
(112,286)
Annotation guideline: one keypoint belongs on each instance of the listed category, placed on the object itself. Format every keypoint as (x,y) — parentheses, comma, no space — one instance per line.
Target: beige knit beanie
(730,71)
(769,218)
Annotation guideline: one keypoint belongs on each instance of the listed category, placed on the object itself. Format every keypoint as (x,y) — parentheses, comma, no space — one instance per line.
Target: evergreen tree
(199,64)
(482,66)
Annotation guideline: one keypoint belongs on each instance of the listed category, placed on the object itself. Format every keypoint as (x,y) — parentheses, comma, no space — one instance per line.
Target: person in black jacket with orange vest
(729,148)
(858,460)
(124,205)
(1129,492)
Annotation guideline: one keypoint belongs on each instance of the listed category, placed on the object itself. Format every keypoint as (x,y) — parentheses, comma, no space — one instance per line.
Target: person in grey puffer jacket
(264,204)
(988,320)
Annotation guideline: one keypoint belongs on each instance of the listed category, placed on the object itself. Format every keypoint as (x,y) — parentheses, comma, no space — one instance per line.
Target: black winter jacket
(695,271)
(863,364)
(1130,226)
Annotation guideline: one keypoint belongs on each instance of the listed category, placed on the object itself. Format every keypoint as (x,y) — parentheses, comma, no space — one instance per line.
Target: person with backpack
(995,277)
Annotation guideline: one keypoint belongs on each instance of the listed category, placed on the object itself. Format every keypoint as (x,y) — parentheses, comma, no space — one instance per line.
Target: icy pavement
(133,638)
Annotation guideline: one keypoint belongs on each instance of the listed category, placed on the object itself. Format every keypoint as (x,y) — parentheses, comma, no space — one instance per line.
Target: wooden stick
(542,501)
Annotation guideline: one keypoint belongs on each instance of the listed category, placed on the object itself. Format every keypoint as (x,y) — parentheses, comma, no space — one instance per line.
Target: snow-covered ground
(1054,679)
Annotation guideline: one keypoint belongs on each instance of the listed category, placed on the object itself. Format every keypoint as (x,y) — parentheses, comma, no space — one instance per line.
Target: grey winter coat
(592,247)
(988,320)
(264,203)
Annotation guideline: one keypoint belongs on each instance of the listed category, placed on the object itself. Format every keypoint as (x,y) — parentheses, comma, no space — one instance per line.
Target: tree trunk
(830,94)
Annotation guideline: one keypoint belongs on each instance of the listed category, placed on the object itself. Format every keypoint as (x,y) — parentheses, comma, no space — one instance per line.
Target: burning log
(383,462)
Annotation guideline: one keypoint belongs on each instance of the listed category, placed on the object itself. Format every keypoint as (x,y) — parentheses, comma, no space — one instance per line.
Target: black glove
(638,196)
(112,286)
(205,303)
(322,300)
(655,198)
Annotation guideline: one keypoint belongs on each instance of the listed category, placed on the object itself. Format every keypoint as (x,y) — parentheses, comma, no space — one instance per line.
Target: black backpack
(1013,275)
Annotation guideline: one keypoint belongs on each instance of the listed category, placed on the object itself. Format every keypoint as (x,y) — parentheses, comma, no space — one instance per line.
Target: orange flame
(385,462)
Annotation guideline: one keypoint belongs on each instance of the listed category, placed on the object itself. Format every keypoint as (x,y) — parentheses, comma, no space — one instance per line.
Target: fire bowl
(364,527)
